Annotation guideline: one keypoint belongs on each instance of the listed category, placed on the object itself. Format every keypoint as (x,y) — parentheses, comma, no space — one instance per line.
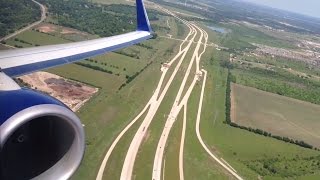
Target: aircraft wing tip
(143,23)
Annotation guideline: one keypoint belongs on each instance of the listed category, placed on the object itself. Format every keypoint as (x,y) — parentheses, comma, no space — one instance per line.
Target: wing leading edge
(23,61)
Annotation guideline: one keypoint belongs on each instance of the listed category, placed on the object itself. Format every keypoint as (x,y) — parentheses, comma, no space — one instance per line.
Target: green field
(273,113)
(170,166)
(116,160)
(35,38)
(245,150)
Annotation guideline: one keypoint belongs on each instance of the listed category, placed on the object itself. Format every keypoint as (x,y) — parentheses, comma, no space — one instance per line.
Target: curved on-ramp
(199,135)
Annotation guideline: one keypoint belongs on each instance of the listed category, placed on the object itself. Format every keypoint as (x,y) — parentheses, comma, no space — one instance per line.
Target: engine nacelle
(40,138)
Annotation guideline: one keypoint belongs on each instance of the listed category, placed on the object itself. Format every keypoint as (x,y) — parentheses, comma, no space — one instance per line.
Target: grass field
(35,38)
(171,154)
(277,114)
(116,160)
(243,149)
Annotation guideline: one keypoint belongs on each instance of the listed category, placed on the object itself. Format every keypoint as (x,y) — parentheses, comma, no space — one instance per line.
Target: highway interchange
(200,37)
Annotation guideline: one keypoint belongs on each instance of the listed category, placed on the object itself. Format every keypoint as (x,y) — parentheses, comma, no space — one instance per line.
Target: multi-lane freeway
(200,37)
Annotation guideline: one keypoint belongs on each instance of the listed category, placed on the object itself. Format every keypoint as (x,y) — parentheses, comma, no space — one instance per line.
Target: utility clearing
(276,114)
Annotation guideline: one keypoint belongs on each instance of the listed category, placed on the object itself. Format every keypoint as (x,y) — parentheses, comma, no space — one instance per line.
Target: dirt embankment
(71,93)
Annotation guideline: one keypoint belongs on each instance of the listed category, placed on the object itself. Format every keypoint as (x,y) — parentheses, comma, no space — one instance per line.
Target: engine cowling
(40,138)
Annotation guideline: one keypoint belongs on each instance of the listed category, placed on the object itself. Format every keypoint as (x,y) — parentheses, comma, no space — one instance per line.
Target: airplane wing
(27,60)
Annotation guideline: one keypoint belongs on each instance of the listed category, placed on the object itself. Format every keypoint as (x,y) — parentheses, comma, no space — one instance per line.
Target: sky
(307,7)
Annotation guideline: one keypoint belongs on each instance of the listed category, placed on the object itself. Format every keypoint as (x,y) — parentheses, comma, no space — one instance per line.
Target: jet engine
(40,138)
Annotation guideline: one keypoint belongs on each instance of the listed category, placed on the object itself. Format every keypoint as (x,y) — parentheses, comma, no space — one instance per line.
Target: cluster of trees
(287,76)
(144,46)
(280,82)
(133,55)
(22,41)
(288,168)
(228,99)
(231,78)
(88,17)
(226,64)
(97,68)
(18,46)
(267,134)
(102,63)
(131,78)
(99,19)
(21,82)
(16,14)
(49,34)
(154,35)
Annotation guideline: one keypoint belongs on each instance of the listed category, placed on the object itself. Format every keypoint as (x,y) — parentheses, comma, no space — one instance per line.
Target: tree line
(131,78)
(97,68)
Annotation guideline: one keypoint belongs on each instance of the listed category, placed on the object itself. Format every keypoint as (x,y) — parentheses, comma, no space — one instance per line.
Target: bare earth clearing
(51,28)
(276,114)
(71,93)
(47,28)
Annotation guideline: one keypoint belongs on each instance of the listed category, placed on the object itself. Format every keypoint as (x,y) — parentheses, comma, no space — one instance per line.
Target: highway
(153,105)
(195,35)
(43,17)
(136,142)
(157,166)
